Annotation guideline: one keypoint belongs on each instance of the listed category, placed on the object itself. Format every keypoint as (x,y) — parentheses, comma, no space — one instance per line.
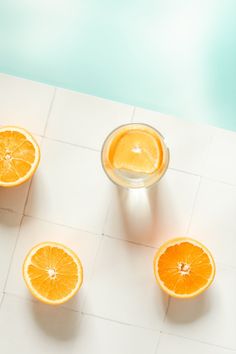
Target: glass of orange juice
(135,156)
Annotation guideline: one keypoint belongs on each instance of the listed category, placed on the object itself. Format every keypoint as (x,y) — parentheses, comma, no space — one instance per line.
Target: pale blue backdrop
(177,57)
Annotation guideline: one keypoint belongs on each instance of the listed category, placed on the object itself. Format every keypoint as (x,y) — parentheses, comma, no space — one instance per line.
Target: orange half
(184,267)
(19,156)
(53,273)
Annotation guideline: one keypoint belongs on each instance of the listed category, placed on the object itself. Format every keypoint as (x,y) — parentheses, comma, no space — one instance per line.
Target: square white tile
(58,330)
(213,220)
(123,285)
(35,231)
(85,120)
(24,103)
(151,216)
(9,228)
(13,199)
(210,317)
(220,162)
(188,142)
(70,187)
(172,344)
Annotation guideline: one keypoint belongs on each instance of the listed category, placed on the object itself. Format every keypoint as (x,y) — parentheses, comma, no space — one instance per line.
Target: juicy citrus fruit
(137,150)
(19,156)
(53,273)
(184,267)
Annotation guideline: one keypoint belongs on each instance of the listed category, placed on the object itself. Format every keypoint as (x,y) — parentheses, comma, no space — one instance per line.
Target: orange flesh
(53,273)
(17,154)
(136,150)
(184,268)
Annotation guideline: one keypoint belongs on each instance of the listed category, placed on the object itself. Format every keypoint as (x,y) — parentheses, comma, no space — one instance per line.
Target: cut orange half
(184,267)
(53,273)
(19,156)
(137,150)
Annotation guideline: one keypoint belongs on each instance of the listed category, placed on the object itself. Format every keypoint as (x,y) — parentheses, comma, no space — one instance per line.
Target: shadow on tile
(56,322)
(139,211)
(13,199)
(187,311)
(9,220)
(164,298)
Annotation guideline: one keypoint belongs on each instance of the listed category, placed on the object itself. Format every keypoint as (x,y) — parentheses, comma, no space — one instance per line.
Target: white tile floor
(119,309)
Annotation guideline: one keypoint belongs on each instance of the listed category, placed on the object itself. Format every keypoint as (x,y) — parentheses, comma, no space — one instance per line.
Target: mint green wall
(177,57)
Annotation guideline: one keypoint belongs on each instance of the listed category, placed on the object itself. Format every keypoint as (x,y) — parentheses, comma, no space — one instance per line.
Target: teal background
(177,57)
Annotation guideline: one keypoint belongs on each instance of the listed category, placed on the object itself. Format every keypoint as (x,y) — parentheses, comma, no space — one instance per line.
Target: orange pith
(136,150)
(19,156)
(184,267)
(52,272)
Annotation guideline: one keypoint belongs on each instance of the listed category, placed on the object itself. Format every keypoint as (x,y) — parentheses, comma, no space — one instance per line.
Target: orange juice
(135,156)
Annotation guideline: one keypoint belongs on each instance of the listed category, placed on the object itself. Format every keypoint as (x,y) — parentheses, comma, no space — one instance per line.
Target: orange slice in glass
(19,156)
(137,151)
(53,273)
(184,268)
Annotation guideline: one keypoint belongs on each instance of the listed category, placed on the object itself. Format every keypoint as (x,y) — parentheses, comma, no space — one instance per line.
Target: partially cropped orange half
(53,273)
(19,156)
(184,267)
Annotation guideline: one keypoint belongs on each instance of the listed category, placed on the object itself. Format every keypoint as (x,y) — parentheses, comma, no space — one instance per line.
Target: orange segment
(53,273)
(184,267)
(19,156)
(137,151)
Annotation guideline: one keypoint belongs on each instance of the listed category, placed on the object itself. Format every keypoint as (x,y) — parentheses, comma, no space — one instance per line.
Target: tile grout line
(49,111)
(106,216)
(158,344)
(62,225)
(129,241)
(163,324)
(1,302)
(93,267)
(71,144)
(184,171)
(83,304)
(12,255)
(118,322)
(203,176)
(8,210)
(198,341)
(37,302)
(219,181)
